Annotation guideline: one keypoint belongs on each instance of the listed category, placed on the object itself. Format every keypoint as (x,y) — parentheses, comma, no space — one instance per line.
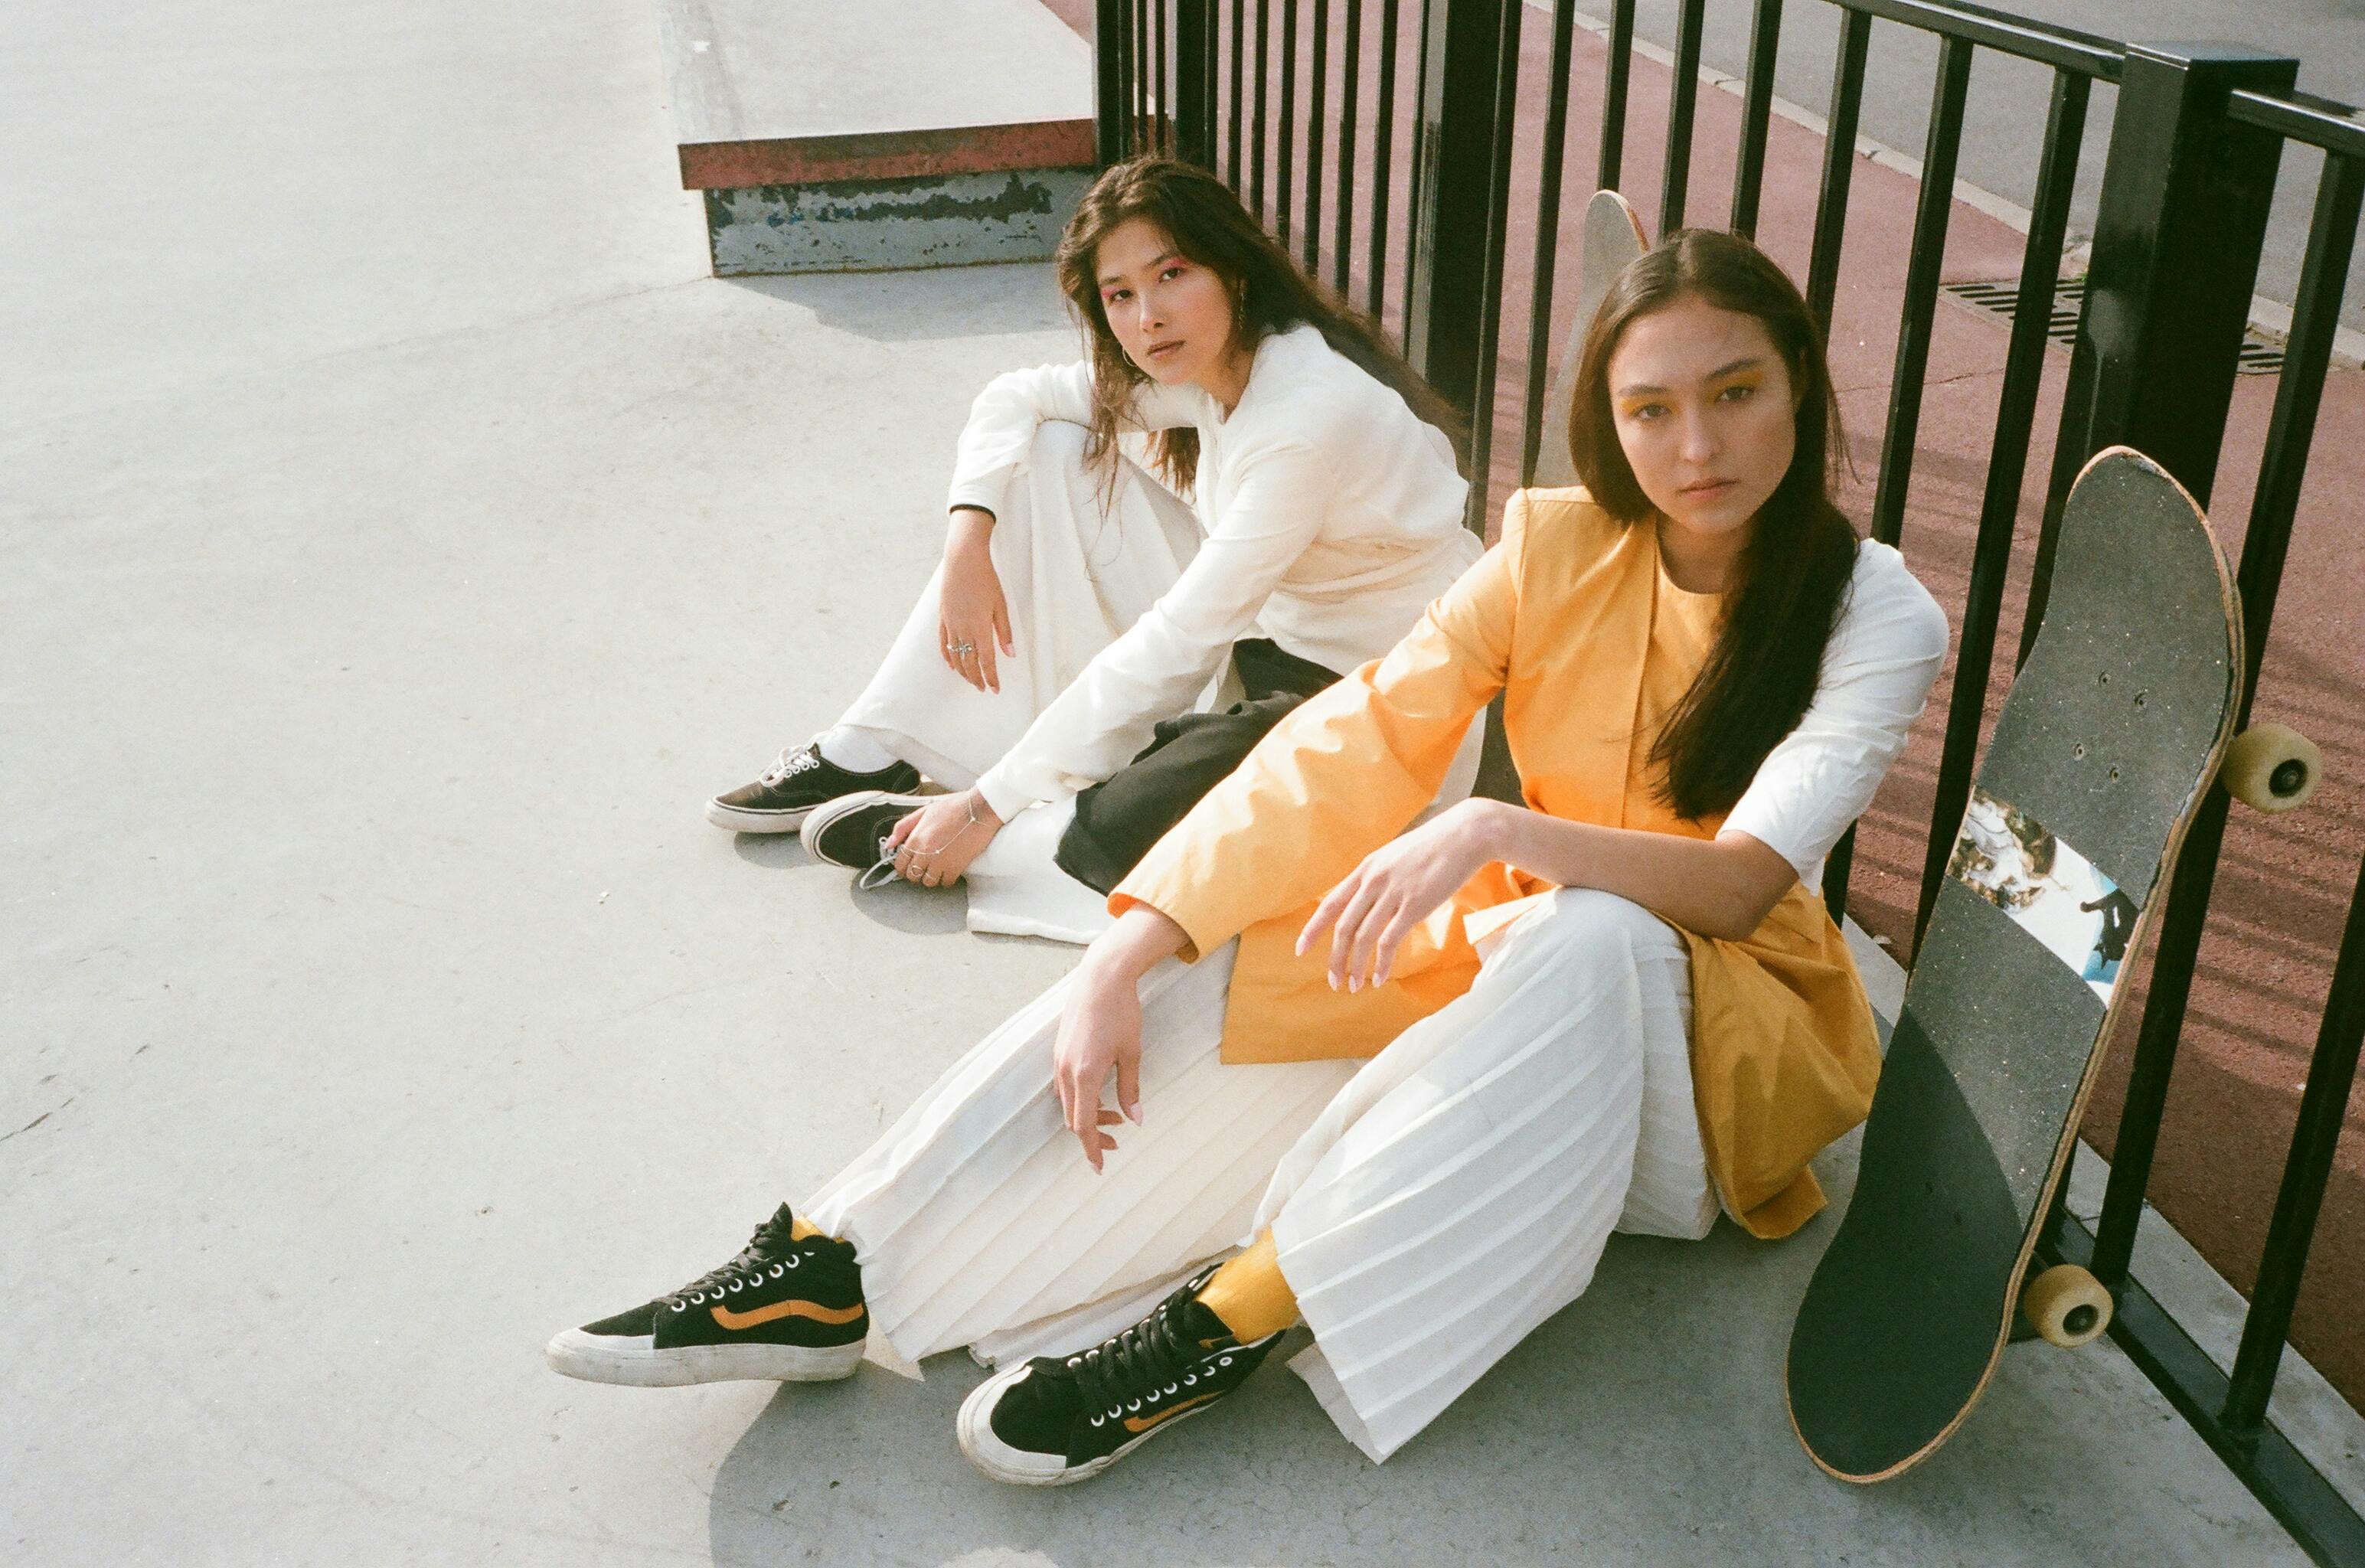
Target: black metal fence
(1379,137)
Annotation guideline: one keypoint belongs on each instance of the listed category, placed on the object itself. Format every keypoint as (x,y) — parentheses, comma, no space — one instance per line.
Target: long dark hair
(1209,226)
(1792,576)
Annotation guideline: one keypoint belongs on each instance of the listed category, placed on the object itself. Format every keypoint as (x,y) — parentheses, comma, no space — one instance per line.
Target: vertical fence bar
(1424,127)
(1286,154)
(1822,288)
(1921,267)
(1446,285)
(1255,147)
(1675,179)
(1233,110)
(1195,82)
(1540,322)
(1756,115)
(1610,165)
(1839,167)
(1108,82)
(1319,73)
(1499,226)
(2339,197)
(2321,1108)
(1161,129)
(2178,229)
(1350,85)
(1211,78)
(1138,66)
(1383,164)
(2024,372)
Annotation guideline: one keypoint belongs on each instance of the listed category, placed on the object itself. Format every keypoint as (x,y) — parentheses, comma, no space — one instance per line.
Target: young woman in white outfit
(1081,604)
(1619,1004)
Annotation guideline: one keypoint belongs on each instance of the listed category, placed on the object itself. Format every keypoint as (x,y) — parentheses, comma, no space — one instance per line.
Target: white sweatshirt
(1332,516)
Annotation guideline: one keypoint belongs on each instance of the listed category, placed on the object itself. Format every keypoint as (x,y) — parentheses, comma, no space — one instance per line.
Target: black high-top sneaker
(1054,1421)
(784,1310)
(796,783)
(852,832)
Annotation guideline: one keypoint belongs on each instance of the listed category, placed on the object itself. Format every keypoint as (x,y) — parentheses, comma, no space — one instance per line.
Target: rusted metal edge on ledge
(887,155)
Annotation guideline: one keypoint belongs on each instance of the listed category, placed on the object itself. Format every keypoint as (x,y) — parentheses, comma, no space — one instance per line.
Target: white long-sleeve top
(1885,650)
(1332,516)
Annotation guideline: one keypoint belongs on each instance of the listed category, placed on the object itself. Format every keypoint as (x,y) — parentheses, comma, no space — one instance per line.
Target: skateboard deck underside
(1613,237)
(2108,735)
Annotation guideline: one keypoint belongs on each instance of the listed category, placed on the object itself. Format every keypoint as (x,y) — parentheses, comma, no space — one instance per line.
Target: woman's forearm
(973,527)
(1722,888)
(1129,949)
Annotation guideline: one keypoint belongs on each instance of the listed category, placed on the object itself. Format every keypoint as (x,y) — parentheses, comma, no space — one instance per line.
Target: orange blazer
(1573,620)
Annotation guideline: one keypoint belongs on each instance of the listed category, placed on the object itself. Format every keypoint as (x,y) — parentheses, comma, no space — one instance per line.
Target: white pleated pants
(1076,571)
(1429,1206)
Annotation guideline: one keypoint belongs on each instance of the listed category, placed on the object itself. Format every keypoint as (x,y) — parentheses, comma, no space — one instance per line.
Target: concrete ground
(399,536)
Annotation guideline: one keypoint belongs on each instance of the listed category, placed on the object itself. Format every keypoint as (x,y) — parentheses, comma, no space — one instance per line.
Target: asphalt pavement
(2003,128)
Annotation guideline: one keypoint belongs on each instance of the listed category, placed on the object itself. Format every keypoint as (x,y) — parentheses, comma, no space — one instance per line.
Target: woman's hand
(1100,1028)
(972,618)
(935,843)
(1397,885)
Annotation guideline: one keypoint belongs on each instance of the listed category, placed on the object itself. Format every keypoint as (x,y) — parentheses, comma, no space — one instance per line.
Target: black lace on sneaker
(772,1252)
(1155,1361)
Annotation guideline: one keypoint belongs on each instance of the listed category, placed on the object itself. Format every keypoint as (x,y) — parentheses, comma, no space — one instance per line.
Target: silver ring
(963,650)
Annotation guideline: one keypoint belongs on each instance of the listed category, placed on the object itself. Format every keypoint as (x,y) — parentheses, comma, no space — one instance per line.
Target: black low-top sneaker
(795,783)
(1056,1421)
(852,832)
(783,1310)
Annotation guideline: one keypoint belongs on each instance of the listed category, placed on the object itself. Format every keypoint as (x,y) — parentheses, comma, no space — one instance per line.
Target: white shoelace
(882,874)
(790,763)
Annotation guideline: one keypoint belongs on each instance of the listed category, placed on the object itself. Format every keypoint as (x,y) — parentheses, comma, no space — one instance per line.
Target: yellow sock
(1248,1294)
(800,1228)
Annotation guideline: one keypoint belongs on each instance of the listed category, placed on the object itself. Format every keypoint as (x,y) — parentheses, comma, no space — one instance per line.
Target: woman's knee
(1058,447)
(1579,925)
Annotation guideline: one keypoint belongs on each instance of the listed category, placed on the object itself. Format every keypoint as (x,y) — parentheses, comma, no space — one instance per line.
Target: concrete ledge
(932,133)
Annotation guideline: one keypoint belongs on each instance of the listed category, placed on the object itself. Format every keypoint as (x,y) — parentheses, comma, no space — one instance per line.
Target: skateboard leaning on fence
(2099,760)
(1613,237)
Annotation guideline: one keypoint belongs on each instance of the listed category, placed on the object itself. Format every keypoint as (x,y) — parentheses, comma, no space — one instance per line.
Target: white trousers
(1429,1206)
(1075,573)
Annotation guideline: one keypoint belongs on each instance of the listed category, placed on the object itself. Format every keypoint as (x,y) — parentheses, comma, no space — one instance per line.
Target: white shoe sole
(632,1363)
(738,819)
(818,820)
(1020,1467)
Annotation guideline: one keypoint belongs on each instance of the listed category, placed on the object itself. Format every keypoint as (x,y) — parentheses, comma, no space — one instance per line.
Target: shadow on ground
(881,307)
(1576,1448)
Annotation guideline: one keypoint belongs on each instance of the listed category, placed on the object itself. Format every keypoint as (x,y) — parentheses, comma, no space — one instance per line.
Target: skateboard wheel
(2067,1305)
(2271,767)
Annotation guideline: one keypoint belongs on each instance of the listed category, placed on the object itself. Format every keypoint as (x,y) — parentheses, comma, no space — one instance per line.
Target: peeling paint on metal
(883,225)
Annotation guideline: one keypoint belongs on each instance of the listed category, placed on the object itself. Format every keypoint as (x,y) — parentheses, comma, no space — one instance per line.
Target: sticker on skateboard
(2051,892)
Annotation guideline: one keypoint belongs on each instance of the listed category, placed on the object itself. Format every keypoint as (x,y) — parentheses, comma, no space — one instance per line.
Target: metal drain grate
(2260,355)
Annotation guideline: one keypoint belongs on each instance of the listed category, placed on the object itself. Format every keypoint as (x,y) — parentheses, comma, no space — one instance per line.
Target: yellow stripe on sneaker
(1143,1423)
(779,1309)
